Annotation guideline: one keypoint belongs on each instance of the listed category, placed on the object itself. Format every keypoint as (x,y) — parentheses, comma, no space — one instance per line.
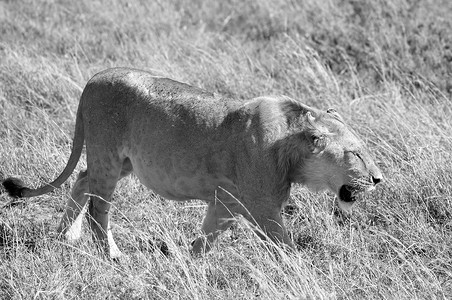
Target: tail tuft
(14,187)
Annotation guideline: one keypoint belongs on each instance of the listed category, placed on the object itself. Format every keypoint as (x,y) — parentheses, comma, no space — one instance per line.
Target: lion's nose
(376,180)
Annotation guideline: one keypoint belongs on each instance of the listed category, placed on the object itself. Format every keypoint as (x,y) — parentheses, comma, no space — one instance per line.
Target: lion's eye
(356,154)
(359,156)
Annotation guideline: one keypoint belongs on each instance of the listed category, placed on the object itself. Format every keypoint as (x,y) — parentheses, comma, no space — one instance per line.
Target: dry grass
(385,65)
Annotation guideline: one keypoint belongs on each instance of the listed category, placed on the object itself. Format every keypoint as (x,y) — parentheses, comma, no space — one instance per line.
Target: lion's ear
(335,114)
(317,143)
(317,139)
(331,111)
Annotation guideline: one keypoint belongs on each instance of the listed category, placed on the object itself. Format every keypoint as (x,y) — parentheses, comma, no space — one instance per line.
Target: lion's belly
(179,178)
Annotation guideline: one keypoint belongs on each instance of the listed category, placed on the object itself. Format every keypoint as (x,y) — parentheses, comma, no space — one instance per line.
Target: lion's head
(322,152)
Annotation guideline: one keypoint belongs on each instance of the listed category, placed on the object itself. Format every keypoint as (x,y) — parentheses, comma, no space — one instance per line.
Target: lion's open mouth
(347,193)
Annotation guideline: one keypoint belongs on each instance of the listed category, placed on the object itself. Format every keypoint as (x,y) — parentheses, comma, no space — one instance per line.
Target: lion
(186,143)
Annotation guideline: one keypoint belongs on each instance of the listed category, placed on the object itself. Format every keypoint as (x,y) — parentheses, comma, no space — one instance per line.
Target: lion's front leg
(268,223)
(219,217)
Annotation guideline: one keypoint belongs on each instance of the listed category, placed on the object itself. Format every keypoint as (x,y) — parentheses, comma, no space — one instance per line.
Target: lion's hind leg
(103,175)
(71,223)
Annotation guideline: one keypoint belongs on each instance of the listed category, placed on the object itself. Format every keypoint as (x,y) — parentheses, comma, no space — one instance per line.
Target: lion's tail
(15,187)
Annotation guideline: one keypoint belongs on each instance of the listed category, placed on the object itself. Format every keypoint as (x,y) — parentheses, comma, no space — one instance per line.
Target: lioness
(186,143)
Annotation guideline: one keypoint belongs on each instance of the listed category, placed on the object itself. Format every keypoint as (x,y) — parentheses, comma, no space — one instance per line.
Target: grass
(385,65)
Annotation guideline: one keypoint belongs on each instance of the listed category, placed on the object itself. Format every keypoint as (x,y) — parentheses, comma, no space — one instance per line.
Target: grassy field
(385,65)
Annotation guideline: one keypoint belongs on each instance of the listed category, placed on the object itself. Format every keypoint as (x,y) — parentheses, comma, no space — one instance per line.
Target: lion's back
(141,92)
